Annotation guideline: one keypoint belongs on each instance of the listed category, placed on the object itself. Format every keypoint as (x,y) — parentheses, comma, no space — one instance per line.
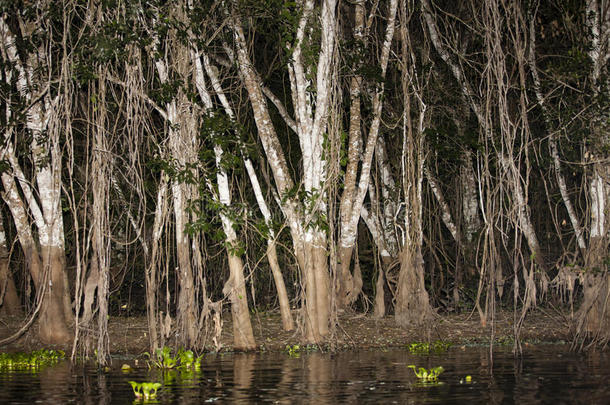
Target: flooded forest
(200,163)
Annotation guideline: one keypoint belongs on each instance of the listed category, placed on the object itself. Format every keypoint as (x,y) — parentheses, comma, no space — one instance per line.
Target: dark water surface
(544,375)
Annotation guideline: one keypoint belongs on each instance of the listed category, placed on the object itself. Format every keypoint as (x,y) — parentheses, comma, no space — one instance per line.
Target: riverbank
(129,335)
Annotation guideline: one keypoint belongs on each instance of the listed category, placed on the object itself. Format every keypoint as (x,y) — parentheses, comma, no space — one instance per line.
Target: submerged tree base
(129,335)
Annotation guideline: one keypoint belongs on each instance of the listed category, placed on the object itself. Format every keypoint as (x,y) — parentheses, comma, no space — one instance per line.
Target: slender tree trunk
(182,148)
(152,271)
(9,300)
(412,301)
(102,172)
(354,194)
(235,287)
(282,294)
(563,189)
(287,321)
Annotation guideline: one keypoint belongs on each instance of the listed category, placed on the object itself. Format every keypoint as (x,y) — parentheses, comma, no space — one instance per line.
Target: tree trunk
(282,295)
(470,202)
(53,320)
(44,124)
(287,321)
(353,195)
(309,241)
(412,301)
(9,300)
(316,285)
(594,314)
(186,311)
(235,288)
(593,317)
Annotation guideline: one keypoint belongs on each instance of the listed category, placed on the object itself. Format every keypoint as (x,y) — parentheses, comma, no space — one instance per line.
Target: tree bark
(43,123)
(412,301)
(287,321)
(10,304)
(309,238)
(352,198)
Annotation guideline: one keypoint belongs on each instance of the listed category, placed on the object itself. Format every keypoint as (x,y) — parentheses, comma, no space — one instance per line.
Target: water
(549,374)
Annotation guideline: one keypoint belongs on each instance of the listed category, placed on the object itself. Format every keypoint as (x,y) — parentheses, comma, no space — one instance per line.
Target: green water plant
(294,350)
(427,375)
(436,347)
(189,361)
(32,361)
(145,390)
(183,359)
(162,358)
(126,368)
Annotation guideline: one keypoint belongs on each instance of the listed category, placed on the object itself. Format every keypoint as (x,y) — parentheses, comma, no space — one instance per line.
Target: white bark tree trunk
(594,314)
(354,194)
(287,321)
(44,127)
(311,112)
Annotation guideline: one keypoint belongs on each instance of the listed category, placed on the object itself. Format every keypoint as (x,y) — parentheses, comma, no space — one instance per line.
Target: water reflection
(550,375)
(243,371)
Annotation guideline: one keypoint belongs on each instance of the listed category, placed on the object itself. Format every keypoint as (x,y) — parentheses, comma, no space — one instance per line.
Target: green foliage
(188,360)
(183,359)
(294,350)
(436,347)
(427,375)
(33,361)
(145,390)
(162,358)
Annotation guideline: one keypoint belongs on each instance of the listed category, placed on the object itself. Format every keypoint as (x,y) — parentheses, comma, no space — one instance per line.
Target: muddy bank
(128,335)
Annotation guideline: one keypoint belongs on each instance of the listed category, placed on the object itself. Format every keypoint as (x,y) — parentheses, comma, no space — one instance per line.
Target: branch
(280,108)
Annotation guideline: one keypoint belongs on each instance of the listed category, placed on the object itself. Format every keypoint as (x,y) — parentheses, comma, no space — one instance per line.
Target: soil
(128,335)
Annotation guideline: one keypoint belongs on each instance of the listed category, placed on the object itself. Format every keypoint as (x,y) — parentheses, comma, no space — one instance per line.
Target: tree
(45,90)
(304,206)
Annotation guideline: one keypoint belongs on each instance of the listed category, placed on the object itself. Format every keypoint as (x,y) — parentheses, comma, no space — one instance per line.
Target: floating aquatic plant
(162,358)
(427,375)
(30,361)
(184,359)
(294,350)
(145,390)
(466,380)
(188,360)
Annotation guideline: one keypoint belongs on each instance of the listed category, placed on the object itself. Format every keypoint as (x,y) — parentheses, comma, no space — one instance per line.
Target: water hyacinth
(32,361)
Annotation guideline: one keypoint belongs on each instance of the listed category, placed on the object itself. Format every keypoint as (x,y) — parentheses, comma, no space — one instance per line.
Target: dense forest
(197,160)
